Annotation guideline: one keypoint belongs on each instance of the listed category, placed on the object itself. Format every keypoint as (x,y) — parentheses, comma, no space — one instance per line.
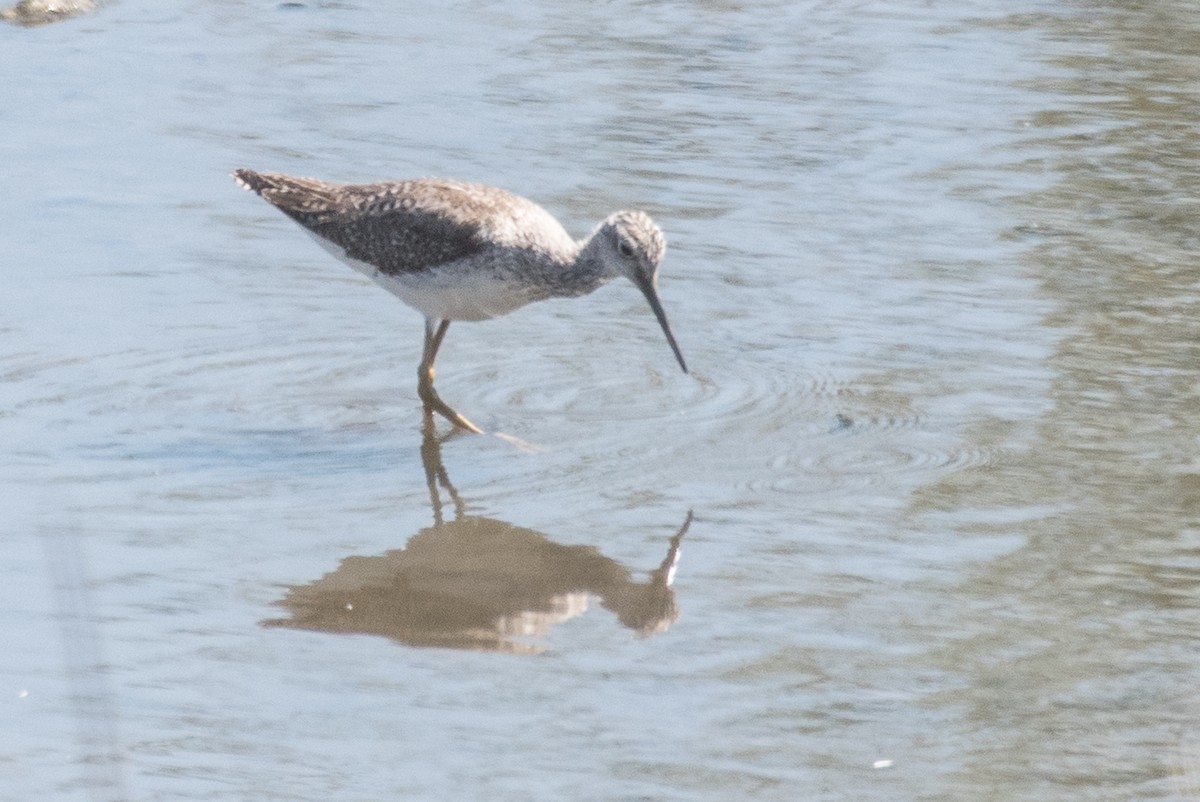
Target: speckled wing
(399,227)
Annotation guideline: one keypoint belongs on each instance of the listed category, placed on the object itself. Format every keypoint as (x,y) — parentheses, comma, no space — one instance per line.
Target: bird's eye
(624,248)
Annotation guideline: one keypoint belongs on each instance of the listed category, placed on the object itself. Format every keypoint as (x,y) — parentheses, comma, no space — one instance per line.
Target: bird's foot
(433,403)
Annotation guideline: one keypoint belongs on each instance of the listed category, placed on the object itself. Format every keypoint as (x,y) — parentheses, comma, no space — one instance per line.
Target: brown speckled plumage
(43,12)
(399,226)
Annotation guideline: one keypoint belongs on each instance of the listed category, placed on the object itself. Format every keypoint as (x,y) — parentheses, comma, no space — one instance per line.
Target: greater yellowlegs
(459,251)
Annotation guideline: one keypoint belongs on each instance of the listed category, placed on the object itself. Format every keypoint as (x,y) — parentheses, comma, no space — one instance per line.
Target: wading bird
(459,251)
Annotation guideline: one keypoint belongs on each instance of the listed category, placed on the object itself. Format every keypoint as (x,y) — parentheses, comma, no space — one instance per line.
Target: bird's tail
(294,196)
(252,181)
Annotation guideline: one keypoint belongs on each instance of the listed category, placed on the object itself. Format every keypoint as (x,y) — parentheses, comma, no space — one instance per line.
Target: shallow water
(932,265)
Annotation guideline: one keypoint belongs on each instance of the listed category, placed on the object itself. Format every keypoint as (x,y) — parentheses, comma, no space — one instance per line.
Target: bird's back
(404,227)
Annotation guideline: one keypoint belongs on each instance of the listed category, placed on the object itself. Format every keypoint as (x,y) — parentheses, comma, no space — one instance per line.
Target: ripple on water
(817,430)
(804,431)
(763,422)
(604,391)
(866,446)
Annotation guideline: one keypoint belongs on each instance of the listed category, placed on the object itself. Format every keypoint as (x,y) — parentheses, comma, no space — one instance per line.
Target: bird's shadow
(478,583)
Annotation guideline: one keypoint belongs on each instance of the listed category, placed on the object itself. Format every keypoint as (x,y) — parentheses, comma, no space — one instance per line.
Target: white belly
(448,292)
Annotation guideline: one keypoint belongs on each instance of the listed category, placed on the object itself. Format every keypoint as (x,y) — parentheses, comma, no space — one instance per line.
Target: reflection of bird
(459,251)
(478,583)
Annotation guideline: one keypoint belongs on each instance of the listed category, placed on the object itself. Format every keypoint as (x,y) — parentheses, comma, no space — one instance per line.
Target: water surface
(932,265)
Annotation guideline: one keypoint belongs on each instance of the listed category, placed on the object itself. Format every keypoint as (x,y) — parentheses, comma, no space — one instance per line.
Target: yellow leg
(425,373)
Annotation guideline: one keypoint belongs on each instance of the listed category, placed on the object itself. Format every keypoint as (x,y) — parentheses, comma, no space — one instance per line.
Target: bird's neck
(590,270)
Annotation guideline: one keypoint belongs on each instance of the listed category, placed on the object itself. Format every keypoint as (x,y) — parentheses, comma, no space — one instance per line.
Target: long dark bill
(651,292)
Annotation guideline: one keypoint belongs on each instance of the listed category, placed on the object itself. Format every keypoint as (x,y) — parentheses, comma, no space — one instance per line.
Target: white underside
(449,292)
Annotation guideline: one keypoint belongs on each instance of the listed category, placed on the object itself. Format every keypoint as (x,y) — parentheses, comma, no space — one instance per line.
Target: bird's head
(631,245)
